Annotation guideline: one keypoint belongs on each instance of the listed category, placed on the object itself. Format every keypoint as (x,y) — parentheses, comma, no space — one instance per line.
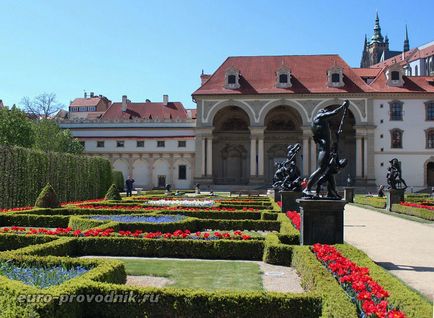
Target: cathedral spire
(377,37)
(406,41)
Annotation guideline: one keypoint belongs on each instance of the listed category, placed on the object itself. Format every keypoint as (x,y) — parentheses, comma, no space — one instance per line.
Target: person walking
(129,184)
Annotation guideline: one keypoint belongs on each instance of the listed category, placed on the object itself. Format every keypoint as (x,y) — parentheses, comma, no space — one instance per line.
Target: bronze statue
(329,163)
(287,176)
(394,176)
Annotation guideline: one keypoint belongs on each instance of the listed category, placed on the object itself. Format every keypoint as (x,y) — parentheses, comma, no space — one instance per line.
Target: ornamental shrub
(47,198)
(113,193)
(118,179)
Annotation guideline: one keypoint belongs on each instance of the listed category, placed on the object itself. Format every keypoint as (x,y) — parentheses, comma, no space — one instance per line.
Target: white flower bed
(184,203)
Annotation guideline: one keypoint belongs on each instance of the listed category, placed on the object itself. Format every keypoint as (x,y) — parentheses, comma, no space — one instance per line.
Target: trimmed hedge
(375,202)
(24,172)
(34,220)
(419,212)
(288,234)
(9,241)
(275,252)
(47,198)
(314,277)
(410,302)
(118,179)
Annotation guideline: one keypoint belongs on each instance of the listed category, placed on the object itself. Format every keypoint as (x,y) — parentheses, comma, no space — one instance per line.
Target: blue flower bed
(39,276)
(137,218)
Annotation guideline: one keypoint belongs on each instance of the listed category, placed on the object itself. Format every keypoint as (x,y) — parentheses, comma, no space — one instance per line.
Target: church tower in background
(377,49)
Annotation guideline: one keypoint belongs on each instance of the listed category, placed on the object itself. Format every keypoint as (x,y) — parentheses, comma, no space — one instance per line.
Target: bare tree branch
(42,106)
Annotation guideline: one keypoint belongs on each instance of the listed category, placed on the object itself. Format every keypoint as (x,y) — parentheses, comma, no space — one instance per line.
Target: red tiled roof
(397,59)
(367,72)
(92,101)
(147,110)
(308,75)
(423,53)
(412,84)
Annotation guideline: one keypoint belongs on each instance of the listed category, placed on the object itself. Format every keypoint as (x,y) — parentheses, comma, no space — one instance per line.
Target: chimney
(92,94)
(204,77)
(85,95)
(165,100)
(124,103)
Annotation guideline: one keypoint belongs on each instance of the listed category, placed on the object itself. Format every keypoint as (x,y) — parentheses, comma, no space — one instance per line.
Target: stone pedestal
(289,200)
(349,194)
(393,196)
(322,221)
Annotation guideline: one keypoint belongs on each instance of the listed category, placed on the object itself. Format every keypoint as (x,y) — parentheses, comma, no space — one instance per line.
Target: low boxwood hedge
(375,202)
(28,220)
(10,241)
(287,234)
(419,212)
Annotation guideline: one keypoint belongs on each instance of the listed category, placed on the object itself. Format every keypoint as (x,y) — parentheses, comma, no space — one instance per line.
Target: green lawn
(200,274)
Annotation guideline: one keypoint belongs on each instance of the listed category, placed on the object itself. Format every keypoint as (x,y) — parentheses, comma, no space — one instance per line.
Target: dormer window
(232,78)
(283,77)
(335,77)
(394,75)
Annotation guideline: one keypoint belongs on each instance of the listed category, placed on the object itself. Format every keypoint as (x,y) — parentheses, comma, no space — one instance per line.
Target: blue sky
(145,49)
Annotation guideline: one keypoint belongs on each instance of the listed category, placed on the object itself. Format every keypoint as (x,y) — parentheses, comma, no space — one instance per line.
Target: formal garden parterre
(53,240)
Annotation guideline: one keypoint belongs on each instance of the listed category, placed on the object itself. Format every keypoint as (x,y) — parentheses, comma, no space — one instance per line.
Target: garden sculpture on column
(329,162)
(394,176)
(287,176)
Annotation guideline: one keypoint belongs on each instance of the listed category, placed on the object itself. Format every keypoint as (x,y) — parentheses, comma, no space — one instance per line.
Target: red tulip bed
(418,205)
(294,216)
(179,234)
(157,208)
(369,296)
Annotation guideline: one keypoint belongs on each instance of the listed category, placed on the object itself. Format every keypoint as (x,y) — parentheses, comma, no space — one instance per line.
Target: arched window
(396,138)
(430,138)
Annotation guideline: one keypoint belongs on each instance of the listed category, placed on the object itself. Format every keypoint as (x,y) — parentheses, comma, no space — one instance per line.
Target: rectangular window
(140,143)
(100,144)
(336,78)
(430,111)
(120,143)
(182,172)
(182,143)
(160,144)
(396,111)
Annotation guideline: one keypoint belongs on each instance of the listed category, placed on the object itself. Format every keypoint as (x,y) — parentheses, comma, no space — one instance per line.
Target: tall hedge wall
(24,172)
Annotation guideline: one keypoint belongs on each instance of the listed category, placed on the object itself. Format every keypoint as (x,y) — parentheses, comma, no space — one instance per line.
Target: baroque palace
(252,107)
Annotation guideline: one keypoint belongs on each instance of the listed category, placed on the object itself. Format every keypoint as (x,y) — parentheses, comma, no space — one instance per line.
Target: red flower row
(368,295)
(294,216)
(23,208)
(186,234)
(417,205)
(153,208)
(279,203)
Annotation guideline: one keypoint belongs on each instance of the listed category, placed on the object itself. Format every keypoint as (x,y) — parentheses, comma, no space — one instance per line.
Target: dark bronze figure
(394,176)
(287,176)
(329,163)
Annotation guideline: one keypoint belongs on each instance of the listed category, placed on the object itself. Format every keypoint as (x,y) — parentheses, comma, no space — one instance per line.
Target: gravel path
(403,247)
(274,278)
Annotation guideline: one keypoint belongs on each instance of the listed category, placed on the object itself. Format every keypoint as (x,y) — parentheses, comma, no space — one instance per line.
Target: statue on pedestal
(329,163)
(287,176)
(394,176)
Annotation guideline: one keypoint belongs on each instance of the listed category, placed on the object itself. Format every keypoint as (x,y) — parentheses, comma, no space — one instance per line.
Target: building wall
(413,154)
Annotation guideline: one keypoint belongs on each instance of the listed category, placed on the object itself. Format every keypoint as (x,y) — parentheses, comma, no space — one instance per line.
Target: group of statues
(287,177)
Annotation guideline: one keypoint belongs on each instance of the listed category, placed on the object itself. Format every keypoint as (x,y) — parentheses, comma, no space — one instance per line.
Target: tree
(48,136)
(15,128)
(42,106)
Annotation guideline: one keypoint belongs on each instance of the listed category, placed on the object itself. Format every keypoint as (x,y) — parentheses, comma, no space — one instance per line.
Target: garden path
(405,248)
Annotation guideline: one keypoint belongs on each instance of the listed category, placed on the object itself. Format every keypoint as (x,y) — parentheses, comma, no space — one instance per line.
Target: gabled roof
(409,56)
(308,75)
(367,72)
(91,101)
(147,110)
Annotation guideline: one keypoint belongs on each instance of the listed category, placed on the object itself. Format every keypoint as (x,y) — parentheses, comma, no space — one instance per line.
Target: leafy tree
(48,136)
(15,128)
(42,106)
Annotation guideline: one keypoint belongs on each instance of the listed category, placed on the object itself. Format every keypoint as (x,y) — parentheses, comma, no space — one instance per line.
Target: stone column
(261,156)
(252,156)
(203,153)
(306,151)
(209,156)
(171,168)
(313,155)
(365,157)
(359,159)
(151,161)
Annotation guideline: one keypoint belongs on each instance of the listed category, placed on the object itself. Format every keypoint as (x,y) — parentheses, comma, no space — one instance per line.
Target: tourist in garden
(129,184)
